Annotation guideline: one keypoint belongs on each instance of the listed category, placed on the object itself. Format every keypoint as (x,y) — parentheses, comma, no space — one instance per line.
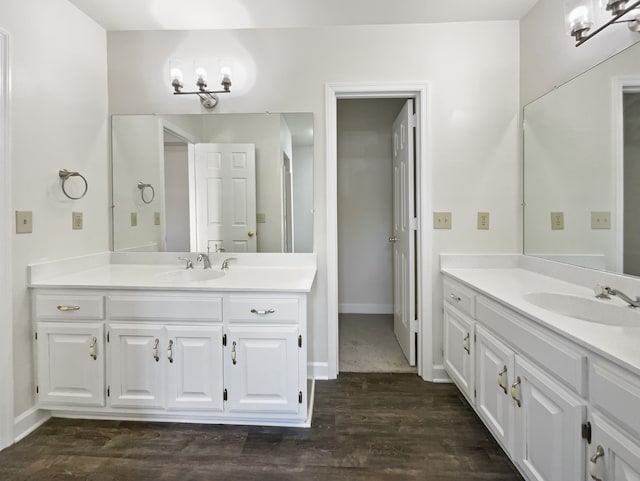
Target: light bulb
(176,74)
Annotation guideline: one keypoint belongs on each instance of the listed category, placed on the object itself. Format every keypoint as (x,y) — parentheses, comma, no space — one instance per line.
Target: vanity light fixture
(208,98)
(580,17)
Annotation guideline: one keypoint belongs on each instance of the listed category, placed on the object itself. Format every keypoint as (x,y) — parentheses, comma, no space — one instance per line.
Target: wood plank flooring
(365,427)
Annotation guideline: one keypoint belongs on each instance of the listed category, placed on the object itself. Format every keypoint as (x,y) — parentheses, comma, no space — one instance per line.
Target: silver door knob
(393,238)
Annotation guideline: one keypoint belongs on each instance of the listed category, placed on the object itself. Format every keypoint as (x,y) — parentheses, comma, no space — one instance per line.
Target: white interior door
(225,184)
(404,225)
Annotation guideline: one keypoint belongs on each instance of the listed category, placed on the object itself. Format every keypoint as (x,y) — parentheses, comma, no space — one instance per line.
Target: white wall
(365,204)
(548,56)
(472,69)
(58,120)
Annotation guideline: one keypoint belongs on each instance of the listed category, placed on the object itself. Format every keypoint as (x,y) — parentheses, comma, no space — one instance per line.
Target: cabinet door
(137,375)
(494,376)
(458,346)
(194,354)
(613,456)
(261,369)
(70,363)
(547,437)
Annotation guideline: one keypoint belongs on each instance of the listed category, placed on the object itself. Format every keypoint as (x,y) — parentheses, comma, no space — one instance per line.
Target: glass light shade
(225,73)
(201,74)
(578,16)
(613,6)
(176,74)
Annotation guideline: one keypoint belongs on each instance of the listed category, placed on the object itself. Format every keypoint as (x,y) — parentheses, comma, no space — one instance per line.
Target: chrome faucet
(205,260)
(189,263)
(225,263)
(603,292)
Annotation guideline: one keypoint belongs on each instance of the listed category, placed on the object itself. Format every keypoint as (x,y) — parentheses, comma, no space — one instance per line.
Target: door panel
(458,355)
(404,311)
(225,197)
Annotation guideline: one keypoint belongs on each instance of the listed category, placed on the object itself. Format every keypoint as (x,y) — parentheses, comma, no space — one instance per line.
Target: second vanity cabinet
(207,356)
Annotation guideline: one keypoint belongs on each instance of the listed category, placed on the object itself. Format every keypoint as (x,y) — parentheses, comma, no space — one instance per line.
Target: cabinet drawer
(175,308)
(616,393)
(459,296)
(258,309)
(558,358)
(53,306)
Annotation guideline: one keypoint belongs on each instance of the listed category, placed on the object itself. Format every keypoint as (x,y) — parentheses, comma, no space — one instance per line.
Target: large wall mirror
(217,182)
(582,169)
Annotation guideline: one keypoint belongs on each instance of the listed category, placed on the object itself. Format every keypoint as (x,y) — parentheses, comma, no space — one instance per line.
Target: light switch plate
(156,218)
(442,220)
(483,220)
(601,220)
(557,220)
(76,220)
(261,218)
(134,219)
(24,222)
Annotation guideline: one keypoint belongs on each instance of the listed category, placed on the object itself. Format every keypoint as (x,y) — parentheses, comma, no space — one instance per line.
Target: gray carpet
(368,344)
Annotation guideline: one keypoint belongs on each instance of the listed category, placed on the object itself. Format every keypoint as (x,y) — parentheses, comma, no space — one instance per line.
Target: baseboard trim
(318,370)
(365,308)
(29,421)
(440,374)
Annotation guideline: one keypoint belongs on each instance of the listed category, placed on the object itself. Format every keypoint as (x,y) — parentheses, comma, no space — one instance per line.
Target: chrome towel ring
(142,186)
(65,175)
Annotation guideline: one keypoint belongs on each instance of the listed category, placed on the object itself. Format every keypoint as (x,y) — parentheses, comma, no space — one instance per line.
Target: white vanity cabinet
(205,356)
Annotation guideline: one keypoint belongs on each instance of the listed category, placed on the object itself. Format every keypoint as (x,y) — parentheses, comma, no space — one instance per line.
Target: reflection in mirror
(582,169)
(217,182)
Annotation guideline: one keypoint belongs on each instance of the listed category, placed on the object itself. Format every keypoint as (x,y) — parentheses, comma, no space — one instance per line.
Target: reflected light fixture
(579,16)
(208,98)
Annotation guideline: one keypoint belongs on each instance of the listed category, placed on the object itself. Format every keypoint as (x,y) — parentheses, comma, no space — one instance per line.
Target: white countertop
(620,345)
(99,272)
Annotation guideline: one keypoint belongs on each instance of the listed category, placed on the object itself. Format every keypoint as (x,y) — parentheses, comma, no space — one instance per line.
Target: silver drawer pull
(155,350)
(92,348)
(455,297)
(500,374)
(262,312)
(593,463)
(514,388)
(170,351)
(233,353)
(68,308)
(467,343)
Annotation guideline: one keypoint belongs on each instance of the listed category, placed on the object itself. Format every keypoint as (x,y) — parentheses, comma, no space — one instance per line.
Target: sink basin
(592,310)
(191,275)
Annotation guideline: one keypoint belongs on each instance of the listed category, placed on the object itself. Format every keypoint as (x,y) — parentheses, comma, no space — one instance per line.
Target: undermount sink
(593,310)
(191,275)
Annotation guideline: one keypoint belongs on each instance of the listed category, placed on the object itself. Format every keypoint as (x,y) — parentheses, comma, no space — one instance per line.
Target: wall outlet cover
(76,220)
(557,220)
(134,219)
(261,218)
(156,218)
(601,220)
(483,220)
(24,222)
(442,220)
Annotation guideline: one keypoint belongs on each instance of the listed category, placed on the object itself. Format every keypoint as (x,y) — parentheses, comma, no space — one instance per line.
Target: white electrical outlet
(557,220)
(76,220)
(601,220)
(442,220)
(483,220)
(134,219)
(156,218)
(261,218)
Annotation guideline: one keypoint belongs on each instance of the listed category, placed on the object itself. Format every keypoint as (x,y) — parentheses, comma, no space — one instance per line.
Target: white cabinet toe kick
(207,357)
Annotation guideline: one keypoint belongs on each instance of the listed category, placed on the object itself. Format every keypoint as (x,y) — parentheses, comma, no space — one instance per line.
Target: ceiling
(226,14)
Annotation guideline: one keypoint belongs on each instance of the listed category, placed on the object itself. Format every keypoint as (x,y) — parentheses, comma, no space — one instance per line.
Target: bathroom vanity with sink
(118,339)
(553,372)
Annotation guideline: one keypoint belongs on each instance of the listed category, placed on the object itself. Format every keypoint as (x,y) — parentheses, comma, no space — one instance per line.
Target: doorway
(365,235)
(424,262)
(631,169)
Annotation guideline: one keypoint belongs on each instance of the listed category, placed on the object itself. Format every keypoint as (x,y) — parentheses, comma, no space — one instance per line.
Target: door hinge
(413,223)
(300,340)
(37,389)
(414,120)
(108,391)
(108,339)
(414,325)
(586,431)
(224,339)
(299,397)
(475,394)
(36,334)
(224,395)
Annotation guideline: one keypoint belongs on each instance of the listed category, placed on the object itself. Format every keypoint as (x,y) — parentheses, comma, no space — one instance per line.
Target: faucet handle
(601,292)
(189,262)
(225,263)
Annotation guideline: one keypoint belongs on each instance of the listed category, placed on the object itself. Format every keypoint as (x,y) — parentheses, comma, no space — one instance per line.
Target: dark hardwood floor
(365,427)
